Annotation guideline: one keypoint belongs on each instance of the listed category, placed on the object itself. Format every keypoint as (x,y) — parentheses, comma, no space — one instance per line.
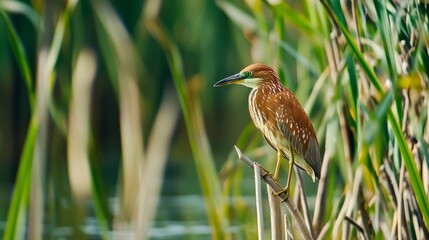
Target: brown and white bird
(280,117)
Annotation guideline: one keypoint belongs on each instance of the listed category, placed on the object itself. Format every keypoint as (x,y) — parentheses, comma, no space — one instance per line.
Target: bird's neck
(271,87)
(260,94)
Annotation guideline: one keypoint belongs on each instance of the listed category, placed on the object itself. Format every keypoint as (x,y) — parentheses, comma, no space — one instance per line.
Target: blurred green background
(110,126)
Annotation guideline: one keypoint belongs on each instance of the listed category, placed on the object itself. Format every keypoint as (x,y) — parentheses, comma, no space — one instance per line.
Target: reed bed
(103,84)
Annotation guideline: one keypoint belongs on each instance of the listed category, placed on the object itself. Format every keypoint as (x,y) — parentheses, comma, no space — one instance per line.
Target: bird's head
(251,76)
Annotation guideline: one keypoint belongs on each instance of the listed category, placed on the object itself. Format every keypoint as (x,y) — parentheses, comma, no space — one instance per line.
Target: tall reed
(359,68)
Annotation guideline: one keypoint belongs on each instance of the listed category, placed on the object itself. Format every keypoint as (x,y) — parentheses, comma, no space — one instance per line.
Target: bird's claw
(266,174)
(285,191)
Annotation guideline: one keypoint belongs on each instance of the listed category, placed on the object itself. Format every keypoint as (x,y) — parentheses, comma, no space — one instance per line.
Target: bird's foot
(267,173)
(283,191)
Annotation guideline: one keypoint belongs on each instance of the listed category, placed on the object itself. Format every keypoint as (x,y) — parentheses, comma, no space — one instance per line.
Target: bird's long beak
(230,80)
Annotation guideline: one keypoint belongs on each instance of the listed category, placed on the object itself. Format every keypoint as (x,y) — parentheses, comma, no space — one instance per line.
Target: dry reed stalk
(78,132)
(259,212)
(153,171)
(275,214)
(295,214)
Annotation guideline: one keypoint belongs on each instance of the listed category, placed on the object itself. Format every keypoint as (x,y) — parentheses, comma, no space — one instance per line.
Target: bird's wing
(289,117)
(295,126)
(312,156)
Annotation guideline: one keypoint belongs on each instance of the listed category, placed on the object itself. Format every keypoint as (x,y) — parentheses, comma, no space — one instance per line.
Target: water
(177,217)
(180,217)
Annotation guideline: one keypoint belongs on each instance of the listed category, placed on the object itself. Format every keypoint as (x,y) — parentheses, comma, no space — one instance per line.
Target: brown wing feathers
(294,124)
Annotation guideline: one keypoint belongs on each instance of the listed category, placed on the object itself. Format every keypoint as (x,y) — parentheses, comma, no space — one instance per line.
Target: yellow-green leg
(286,189)
(279,158)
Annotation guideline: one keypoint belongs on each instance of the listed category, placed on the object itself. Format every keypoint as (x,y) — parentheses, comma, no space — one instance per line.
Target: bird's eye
(250,73)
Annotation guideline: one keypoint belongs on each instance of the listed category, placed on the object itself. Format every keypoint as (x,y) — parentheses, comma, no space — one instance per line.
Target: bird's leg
(279,158)
(286,189)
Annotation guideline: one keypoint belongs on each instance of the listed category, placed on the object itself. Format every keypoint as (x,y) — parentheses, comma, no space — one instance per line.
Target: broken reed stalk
(259,215)
(303,200)
(275,213)
(265,175)
(358,227)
